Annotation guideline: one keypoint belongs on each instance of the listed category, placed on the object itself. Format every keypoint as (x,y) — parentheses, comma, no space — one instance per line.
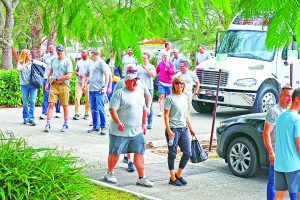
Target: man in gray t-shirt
(127,128)
(285,101)
(98,78)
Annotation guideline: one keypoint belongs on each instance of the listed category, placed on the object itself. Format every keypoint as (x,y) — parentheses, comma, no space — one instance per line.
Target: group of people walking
(130,106)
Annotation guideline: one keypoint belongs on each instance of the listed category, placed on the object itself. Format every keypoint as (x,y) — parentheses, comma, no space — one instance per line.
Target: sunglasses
(58,50)
(131,71)
(177,83)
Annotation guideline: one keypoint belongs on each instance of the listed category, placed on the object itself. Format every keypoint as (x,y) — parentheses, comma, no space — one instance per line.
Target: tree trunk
(36,38)
(52,38)
(7,40)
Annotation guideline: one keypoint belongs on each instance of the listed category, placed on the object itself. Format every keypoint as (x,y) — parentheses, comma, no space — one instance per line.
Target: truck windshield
(246,44)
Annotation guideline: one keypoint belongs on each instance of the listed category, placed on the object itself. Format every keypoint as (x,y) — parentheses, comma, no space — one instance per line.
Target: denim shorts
(287,181)
(122,145)
(164,89)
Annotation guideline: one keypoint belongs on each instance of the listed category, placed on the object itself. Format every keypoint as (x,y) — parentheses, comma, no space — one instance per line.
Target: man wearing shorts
(287,148)
(127,128)
(59,79)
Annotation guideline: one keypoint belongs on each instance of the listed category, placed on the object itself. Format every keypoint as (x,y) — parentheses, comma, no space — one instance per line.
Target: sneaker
(102,132)
(110,177)
(43,116)
(64,128)
(175,182)
(47,128)
(125,159)
(160,114)
(76,117)
(25,122)
(31,123)
(57,115)
(149,126)
(130,167)
(94,130)
(181,179)
(144,182)
(86,117)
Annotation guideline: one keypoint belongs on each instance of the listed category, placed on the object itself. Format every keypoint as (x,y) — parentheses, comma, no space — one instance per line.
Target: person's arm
(144,121)
(267,141)
(171,68)
(167,123)
(109,90)
(20,66)
(48,80)
(196,88)
(115,118)
(189,125)
(151,73)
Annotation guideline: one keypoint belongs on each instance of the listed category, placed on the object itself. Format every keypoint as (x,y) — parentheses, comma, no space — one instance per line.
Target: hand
(148,111)
(144,128)
(81,76)
(272,158)
(83,88)
(192,133)
(121,126)
(170,134)
(109,91)
(47,87)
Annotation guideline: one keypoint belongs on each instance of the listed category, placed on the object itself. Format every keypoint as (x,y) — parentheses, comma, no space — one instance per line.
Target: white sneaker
(110,177)
(160,114)
(57,115)
(144,182)
(43,116)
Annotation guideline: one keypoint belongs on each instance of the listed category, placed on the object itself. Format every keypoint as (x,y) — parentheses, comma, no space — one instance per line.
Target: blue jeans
(181,139)
(45,103)
(150,117)
(97,107)
(28,90)
(270,186)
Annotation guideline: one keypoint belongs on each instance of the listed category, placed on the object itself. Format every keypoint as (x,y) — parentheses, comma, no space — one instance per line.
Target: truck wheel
(267,96)
(242,157)
(203,107)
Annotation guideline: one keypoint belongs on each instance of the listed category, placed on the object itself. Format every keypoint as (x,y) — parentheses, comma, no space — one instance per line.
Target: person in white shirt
(201,55)
(128,58)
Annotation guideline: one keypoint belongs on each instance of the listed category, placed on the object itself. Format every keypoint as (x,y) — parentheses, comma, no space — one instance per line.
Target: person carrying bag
(198,153)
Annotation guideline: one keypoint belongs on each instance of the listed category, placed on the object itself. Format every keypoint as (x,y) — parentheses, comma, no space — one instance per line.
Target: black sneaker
(31,123)
(181,179)
(102,133)
(175,182)
(76,117)
(25,122)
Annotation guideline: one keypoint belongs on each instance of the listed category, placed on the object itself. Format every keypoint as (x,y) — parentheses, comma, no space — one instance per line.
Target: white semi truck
(251,75)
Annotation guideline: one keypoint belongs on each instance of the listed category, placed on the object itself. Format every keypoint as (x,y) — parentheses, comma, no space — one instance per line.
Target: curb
(142,196)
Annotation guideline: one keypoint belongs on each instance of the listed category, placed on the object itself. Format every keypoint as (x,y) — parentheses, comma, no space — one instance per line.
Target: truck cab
(251,75)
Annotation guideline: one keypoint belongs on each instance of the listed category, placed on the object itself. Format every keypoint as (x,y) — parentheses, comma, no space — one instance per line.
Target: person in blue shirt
(287,148)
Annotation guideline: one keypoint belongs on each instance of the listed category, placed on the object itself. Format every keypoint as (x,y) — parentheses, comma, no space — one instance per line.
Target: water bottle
(171,140)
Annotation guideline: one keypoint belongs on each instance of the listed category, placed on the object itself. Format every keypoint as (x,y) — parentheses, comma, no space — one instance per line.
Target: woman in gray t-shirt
(24,68)
(177,125)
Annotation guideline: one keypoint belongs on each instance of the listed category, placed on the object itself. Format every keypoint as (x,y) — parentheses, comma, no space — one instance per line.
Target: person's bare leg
(66,112)
(112,161)
(172,175)
(161,102)
(130,157)
(50,111)
(179,172)
(279,195)
(139,164)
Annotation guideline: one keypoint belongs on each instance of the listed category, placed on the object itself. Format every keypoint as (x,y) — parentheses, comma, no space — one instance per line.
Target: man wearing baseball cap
(127,128)
(59,79)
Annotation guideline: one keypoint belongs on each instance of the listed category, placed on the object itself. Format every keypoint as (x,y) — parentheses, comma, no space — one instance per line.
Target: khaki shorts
(60,90)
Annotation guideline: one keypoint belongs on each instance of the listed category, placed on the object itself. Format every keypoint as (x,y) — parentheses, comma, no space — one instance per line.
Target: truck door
(283,68)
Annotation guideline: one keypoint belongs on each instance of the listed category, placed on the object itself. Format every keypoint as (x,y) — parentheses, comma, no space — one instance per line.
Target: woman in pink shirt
(166,70)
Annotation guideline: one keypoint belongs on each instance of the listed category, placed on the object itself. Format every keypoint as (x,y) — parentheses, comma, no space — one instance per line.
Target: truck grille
(210,77)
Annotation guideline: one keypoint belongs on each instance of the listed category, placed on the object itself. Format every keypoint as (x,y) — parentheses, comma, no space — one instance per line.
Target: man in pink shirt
(166,70)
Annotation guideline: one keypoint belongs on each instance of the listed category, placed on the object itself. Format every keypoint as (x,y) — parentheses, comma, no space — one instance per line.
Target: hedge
(11,95)
(10,90)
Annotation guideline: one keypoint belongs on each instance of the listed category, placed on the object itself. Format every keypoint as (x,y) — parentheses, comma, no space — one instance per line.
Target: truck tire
(242,157)
(267,96)
(203,107)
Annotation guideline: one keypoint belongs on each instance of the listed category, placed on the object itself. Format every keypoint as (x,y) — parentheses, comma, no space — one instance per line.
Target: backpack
(37,75)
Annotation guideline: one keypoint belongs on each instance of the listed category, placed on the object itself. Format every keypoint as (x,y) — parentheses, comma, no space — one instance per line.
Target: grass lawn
(104,193)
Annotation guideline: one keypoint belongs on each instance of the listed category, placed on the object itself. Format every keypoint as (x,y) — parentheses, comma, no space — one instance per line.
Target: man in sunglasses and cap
(59,79)
(127,128)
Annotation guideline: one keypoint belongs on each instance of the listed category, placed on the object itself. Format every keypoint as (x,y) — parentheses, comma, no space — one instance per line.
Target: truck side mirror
(284,56)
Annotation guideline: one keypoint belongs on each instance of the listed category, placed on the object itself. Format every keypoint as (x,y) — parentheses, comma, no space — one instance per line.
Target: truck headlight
(246,82)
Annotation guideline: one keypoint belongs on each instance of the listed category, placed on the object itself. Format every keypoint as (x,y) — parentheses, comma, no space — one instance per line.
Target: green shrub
(10,90)
(27,173)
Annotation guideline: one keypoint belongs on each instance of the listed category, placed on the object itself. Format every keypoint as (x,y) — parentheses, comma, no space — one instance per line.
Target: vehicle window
(246,44)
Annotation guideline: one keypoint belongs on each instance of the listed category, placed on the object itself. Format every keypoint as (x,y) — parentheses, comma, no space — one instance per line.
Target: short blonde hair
(178,79)
(23,54)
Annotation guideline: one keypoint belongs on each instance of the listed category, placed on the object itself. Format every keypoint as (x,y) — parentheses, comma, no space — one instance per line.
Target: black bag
(198,153)
(37,75)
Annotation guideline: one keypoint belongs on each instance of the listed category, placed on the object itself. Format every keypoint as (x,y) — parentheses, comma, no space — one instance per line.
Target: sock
(140,177)
(66,121)
(48,121)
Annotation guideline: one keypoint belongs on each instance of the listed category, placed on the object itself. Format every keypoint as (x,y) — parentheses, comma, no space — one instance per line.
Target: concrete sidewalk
(208,180)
